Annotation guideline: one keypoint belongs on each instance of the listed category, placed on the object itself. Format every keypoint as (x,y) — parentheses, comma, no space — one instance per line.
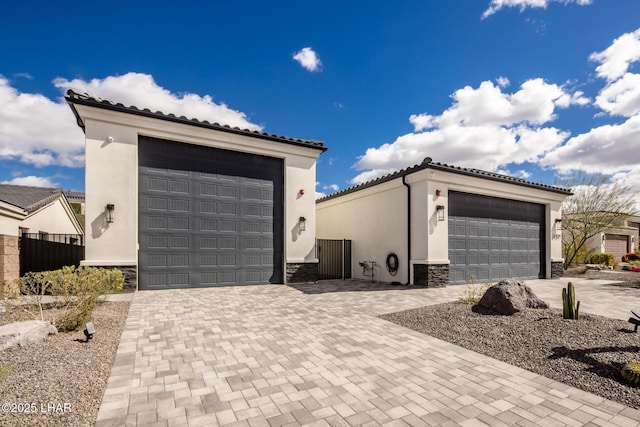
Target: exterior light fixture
(89,331)
(302,223)
(109,209)
(302,191)
(558,224)
(438,193)
(440,212)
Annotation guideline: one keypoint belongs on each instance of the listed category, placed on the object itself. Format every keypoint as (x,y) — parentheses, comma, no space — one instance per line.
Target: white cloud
(32,181)
(621,97)
(39,131)
(611,148)
(503,81)
(497,5)
(616,59)
(606,149)
(141,90)
(484,128)
(308,59)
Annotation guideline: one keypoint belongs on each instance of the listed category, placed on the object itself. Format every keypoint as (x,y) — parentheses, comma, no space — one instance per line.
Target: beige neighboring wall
(55,218)
(112,178)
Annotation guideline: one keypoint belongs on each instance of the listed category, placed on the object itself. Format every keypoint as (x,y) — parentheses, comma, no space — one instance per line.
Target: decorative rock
(510,296)
(20,333)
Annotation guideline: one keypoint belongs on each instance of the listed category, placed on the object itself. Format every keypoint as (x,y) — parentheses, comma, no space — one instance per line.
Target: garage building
(177,202)
(447,225)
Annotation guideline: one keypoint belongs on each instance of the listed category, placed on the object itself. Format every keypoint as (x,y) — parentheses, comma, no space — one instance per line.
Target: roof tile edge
(428,164)
(73,97)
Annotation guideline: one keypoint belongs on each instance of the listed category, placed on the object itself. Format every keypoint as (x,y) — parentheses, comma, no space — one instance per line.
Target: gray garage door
(492,239)
(208,217)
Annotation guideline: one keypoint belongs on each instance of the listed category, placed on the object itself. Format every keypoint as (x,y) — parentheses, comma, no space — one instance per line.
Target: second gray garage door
(208,217)
(492,239)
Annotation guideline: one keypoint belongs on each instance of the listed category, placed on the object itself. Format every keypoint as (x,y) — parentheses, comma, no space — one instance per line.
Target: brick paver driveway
(318,355)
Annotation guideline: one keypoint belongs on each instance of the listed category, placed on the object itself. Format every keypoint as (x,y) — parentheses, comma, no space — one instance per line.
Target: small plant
(79,290)
(570,308)
(604,258)
(75,291)
(631,373)
(473,293)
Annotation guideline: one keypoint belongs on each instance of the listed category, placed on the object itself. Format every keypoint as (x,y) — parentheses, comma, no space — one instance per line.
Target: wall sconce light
(110,208)
(558,224)
(302,223)
(438,193)
(302,191)
(89,331)
(440,212)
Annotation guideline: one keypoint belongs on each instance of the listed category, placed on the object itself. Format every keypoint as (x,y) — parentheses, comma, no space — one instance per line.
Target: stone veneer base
(302,272)
(431,275)
(557,269)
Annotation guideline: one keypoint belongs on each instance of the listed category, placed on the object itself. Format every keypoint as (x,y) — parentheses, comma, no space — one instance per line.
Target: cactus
(570,309)
(631,373)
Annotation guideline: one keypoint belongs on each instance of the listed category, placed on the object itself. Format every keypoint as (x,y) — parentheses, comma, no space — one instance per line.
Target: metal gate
(334,259)
(44,252)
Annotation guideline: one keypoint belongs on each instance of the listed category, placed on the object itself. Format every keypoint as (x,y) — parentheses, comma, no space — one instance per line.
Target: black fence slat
(43,252)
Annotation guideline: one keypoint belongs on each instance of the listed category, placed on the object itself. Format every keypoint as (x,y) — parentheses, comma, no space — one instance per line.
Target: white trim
(303,261)
(110,263)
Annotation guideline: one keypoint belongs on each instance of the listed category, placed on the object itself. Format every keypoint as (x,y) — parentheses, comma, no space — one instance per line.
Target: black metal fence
(334,259)
(42,251)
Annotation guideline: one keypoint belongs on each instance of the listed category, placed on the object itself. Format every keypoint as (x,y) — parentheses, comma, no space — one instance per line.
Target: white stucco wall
(375,220)
(365,217)
(112,177)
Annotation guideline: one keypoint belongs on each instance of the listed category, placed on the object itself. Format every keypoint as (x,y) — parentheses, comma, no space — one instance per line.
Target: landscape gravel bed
(587,353)
(61,379)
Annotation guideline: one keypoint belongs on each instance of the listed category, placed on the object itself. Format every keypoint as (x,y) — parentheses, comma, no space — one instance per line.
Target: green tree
(596,206)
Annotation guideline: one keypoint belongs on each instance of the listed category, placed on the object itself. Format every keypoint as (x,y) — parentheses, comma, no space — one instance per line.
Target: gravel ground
(63,377)
(588,353)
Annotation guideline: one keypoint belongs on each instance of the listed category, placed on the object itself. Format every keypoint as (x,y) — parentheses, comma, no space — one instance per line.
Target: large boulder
(510,296)
(20,333)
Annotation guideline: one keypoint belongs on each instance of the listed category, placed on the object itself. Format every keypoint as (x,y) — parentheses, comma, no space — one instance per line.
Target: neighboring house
(179,202)
(619,240)
(446,225)
(76,200)
(30,210)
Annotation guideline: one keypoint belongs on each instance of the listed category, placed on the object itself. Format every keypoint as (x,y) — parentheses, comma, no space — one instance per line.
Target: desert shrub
(79,290)
(76,292)
(583,255)
(32,289)
(473,293)
(604,258)
(631,373)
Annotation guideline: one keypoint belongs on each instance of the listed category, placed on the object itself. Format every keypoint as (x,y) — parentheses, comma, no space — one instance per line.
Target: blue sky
(531,88)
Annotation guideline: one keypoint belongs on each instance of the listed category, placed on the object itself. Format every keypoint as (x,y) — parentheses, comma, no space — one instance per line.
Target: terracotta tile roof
(85,99)
(28,198)
(428,164)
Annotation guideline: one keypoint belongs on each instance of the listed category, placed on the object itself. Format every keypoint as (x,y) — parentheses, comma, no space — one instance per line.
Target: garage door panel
(201,209)
(503,235)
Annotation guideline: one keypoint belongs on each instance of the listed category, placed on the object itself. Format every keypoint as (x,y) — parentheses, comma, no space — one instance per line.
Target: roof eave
(446,168)
(73,98)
